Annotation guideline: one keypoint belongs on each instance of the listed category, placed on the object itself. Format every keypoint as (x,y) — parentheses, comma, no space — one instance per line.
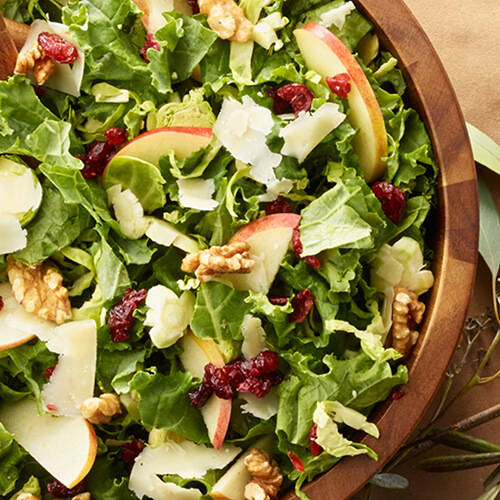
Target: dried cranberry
(96,159)
(39,91)
(51,407)
(194,6)
(397,395)
(150,43)
(235,373)
(279,104)
(311,260)
(278,300)
(392,198)
(216,378)
(264,362)
(57,48)
(298,95)
(278,206)
(116,136)
(58,489)
(130,450)
(340,84)
(302,303)
(49,371)
(200,395)
(258,385)
(296,461)
(120,315)
(316,449)
(1,303)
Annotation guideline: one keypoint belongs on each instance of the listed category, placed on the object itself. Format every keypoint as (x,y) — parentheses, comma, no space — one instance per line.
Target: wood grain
(8,51)
(456,240)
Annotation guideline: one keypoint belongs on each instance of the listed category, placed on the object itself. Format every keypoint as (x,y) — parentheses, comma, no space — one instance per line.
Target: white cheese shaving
(66,77)
(264,408)
(197,193)
(12,235)
(164,233)
(19,193)
(254,336)
(309,129)
(337,15)
(242,128)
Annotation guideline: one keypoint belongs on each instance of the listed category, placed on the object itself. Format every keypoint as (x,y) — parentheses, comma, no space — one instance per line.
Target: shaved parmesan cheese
(186,459)
(309,129)
(337,15)
(197,193)
(12,235)
(242,128)
(72,381)
(164,233)
(19,193)
(265,407)
(128,212)
(66,78)
(254,336)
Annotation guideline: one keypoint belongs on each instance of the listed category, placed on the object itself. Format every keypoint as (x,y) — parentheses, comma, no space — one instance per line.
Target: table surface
(466,37)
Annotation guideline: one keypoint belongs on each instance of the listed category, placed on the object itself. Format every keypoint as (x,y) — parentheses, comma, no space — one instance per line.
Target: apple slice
(216,412)
(65,446)
(269,238)
(152,145)
(328,56)
(231,485)
(72,381)
(153,19)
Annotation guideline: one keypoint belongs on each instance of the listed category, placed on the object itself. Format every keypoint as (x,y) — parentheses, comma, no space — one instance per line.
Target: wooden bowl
(456,243)
(456,239)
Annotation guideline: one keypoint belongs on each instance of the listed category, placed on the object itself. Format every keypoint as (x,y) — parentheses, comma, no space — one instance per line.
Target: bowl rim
(456,250)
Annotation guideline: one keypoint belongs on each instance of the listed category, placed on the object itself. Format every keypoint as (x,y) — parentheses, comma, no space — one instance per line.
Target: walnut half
(206,264)
(407,312)
(37,61)
(39,289)
(102,409)
(267,477)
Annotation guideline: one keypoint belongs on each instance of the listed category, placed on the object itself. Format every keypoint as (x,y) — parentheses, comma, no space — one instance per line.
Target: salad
(212,246)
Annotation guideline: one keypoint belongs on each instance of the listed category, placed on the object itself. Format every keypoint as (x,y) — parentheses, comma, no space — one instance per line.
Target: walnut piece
(37,61)
(407,312)
(227,19)
(102,409)
(267,477)
(206,264)
(39,289)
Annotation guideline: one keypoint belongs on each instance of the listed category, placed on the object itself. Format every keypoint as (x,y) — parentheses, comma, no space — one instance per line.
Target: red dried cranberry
(116,136)
(258,385)
(57,48)
(235,373)
(278,206)
(51,407)
(194,6)
(316,449)
(200,395)
(397,395)
(296,461)
(150,43)
(120,315)
(217,379)
(264,362)
(39,91)
(279,104)
(298,95)
(1,303)
(96,159)
(49,371)
(130,450)
(58,489)
(302,303)
(392,198)
(278,300)
(311,260)
(340,84)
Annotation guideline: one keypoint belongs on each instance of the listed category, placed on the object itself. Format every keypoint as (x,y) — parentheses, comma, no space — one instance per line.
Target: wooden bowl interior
(455,238)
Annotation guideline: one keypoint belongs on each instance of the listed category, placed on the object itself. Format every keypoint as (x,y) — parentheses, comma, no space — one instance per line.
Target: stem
(458,462)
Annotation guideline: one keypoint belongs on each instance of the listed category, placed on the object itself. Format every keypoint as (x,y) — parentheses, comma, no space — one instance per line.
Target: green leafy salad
(212,245)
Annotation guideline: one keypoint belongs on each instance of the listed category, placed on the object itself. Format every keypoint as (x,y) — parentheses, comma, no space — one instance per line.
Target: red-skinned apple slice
(152,145)
(216,412)
(65,446)
(328,56)
(269,238)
